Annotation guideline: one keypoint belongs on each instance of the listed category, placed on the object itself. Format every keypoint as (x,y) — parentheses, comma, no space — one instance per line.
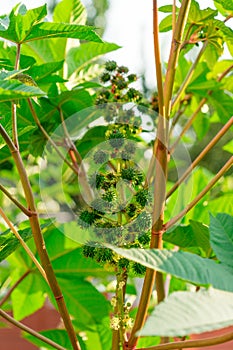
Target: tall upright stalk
(39,240)
(161,155)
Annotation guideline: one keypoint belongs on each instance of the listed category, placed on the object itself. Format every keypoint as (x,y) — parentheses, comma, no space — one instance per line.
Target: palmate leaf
(184,265)
(24,27)
(48,30)
(28,297)
(185,313)
(221,237)
(15,90)
(59,336)
(193,235)
(70,11)
(225,4)
(9,243)
(81,56)
(84,302)
(21,22)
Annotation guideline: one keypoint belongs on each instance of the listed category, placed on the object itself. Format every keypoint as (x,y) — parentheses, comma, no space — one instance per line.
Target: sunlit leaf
(183,313)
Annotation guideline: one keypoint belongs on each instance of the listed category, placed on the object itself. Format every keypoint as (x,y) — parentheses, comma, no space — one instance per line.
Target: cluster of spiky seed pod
(110,217)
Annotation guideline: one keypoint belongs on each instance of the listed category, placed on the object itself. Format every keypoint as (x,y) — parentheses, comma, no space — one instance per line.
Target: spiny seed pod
(131,209)
(144,238)
(134,94)
(121,84)
(123,263)
(116,138)
(128,174)
(132,77)
(87,218)
(88,251)
(109,195)
(100,157)
(103,255)
(110,66)
(139,178)
(101,100)
(96,180)
(123,69)
(142,197)
(105,77)
(138,269)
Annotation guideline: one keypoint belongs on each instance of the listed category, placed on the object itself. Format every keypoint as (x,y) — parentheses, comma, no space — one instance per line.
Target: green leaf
(28,297)
(41,71)
(75,264)
(201,125)
(198,16)
(9,243)
(223,104)
(184,313)
(81,56)
(166,24)
(21,21)
(15,90)
(221,237)
(229,147)
(193,235)
(184,265)
(167,9)
(226,4)
(48,30)
(59,336)
(88,306)
(100,338)
(70,11)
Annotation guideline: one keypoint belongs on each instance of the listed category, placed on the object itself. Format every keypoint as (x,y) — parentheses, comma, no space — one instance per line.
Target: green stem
(210,145)
(39,240)
(221,172)
(30,331)
(188,76)
(16,202)
(199,343)
(15,285)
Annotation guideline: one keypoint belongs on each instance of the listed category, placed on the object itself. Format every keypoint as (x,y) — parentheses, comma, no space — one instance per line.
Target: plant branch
(160,152)
(194,115)
(30,331)
(188,76)
(39,240)
(76,159)
(193,343)
(158,64)
(37,121)
(173,16)
(174,54)
(23,244)
(15,285)
(13,104)
(16,202)
(188,124)
(221,172)
(210,145)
